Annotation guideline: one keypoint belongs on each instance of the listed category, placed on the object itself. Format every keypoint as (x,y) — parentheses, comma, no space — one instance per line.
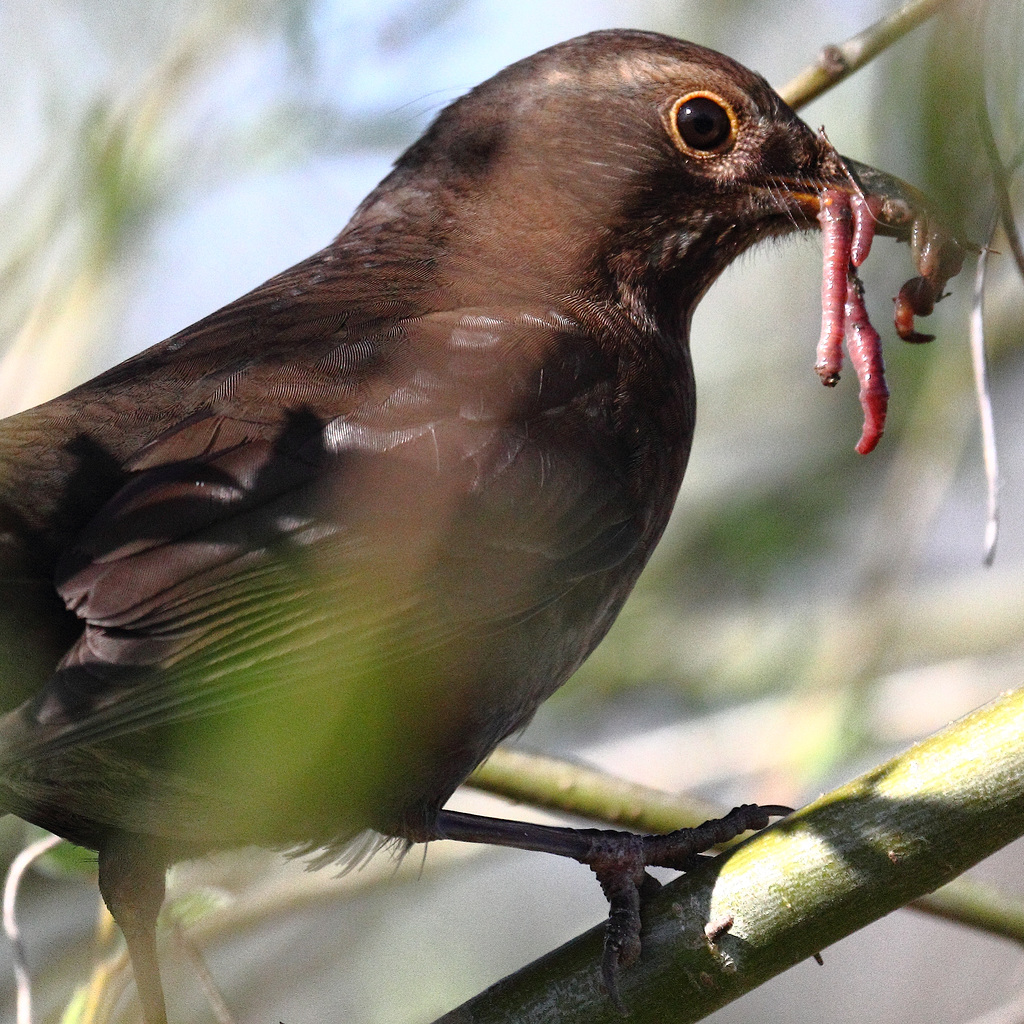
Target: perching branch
(541,780)
(896,833)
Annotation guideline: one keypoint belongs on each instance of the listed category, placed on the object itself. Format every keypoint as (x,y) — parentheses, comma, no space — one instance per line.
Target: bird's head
(626,164)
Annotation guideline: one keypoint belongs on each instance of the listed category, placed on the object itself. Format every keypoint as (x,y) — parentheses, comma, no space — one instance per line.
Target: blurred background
(809,611)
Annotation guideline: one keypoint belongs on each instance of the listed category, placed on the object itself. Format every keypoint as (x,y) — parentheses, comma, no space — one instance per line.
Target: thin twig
(19,866)
(1000,175)
(206,978)
(988,427)
(106,986)
(835,63)
(966,901)
(541,780)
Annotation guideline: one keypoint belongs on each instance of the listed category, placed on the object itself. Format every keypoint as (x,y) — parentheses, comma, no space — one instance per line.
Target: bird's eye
(703,123)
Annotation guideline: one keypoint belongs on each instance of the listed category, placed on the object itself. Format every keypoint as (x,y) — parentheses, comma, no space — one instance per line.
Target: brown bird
(292,573)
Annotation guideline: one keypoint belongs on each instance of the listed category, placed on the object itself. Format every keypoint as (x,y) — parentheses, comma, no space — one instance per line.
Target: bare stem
(214,996)
(988,428)
(999,171)
(19,866)
(550,782)
(836,62)
(980,906)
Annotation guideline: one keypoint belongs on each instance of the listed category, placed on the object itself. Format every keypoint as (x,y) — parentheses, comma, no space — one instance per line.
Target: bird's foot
(619,859)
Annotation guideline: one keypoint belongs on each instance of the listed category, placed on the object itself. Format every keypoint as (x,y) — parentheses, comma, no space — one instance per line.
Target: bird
(288,576)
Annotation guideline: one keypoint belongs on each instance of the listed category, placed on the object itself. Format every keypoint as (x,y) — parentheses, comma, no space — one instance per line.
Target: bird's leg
(132,884)
(619,859)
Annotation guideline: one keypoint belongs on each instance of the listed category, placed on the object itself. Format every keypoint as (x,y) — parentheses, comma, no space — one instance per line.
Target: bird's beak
(902,209)
(902,205)
(899,211)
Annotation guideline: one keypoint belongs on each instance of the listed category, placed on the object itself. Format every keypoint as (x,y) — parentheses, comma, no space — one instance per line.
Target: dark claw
(679,849)
(621,939)
(648,887)
(619,860)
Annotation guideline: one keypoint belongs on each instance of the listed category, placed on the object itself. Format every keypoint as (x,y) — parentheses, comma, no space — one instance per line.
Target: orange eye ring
(703,124)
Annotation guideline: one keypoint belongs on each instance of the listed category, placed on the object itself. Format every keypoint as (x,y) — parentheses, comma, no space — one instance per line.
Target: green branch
(965,901)
(555,784)
(889,837)
(836,62)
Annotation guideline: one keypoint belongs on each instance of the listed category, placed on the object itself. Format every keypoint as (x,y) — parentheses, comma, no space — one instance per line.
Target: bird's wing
(435,514)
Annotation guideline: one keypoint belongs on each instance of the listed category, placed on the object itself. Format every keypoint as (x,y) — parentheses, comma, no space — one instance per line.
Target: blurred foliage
(794,572)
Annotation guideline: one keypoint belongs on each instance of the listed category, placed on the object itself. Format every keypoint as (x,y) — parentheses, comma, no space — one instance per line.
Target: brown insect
(939,257)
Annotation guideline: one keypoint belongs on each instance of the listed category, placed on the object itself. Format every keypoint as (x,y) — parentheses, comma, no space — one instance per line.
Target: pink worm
(866,210)
(835,217)
(848,227)
(865,348)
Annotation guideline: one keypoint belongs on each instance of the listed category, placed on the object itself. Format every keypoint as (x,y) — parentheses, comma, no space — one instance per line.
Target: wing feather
(243,545)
